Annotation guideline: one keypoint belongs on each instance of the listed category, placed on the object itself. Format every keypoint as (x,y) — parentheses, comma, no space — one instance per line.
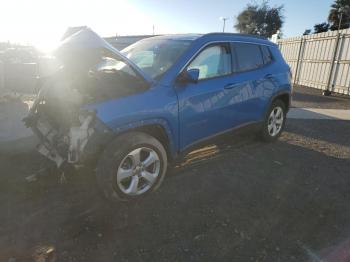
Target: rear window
(247,57)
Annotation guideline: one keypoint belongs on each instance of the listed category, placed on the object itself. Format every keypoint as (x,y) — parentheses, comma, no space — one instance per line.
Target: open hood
(60,116)
(86,40)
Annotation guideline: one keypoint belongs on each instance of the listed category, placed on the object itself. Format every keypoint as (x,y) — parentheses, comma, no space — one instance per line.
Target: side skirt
(244,130)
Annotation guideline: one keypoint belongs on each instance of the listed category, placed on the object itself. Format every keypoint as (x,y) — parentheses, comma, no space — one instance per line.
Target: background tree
(321,28)
(260,20)
(339,10)
(307,32)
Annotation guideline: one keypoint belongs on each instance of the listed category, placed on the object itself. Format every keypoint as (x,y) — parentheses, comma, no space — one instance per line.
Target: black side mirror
(189,76)
(193,75)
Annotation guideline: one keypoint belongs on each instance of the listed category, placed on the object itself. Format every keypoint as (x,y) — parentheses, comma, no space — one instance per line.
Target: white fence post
(329,88)
(337,60)
(300,60)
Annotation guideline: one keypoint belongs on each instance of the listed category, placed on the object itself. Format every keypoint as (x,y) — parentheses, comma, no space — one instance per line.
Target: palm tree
(339,15)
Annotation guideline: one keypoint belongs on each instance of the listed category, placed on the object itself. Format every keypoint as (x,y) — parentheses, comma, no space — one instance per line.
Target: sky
(43,22)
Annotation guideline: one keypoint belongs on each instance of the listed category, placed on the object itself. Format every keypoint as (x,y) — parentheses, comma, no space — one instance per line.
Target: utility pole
(224,20)
(153,30)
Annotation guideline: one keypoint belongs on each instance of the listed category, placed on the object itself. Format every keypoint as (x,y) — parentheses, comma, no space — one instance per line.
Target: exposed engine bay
(91,72)
(60,123)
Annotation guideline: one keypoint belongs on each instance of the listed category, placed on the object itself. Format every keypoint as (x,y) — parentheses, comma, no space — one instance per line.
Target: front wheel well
(159,133)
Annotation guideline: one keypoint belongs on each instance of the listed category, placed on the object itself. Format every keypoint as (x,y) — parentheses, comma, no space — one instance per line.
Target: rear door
(252,69)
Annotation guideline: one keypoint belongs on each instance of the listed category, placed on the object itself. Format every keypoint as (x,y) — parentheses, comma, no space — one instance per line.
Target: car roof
(218,37)
(183,37)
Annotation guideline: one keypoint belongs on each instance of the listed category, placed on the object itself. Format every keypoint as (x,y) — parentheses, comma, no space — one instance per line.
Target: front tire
(274,122)
(132,166)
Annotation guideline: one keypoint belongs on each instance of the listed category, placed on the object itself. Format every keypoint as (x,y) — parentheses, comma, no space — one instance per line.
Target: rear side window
(247,57)
(266,54)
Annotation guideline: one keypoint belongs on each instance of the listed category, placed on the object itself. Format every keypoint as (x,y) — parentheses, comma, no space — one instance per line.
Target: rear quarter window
(247,57)
(266,53)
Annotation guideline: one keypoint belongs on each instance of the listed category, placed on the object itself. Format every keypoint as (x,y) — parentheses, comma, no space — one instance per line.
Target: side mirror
(193,75)
(189,76)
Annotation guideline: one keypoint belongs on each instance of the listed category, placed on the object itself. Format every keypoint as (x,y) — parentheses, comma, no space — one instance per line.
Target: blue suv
(132,112)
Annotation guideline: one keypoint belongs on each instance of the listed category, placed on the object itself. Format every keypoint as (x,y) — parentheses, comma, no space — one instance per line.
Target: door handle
(269,76)
(230,86)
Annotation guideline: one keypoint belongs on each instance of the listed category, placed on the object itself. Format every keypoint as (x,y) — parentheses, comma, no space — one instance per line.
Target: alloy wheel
(138,171)
(275,121)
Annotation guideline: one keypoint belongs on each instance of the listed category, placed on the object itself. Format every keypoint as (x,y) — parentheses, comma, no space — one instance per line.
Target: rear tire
(132,166)
(274,122)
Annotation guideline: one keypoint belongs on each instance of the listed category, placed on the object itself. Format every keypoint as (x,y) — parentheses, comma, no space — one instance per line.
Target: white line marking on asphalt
(319,113)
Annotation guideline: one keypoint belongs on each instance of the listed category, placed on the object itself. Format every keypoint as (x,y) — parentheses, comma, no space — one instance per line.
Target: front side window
(212,62)
(247,57)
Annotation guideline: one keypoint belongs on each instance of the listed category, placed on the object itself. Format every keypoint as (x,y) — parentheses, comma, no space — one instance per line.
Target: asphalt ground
(313,98)
(237,199)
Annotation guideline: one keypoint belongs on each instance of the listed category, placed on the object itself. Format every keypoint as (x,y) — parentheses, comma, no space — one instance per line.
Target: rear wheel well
(285,98)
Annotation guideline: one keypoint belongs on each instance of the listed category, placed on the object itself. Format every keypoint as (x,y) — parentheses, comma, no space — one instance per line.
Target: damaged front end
(66,133)
(92,72)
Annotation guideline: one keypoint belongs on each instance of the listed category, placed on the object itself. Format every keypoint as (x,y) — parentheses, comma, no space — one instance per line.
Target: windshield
(110,64)
(156,56)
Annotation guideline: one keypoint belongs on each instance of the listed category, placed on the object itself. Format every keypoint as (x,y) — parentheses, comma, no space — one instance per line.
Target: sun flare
(42,23)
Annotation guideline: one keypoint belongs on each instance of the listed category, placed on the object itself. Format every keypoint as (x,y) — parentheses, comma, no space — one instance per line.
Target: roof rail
(238,34)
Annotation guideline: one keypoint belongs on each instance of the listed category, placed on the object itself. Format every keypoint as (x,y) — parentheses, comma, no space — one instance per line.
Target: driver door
(204,106)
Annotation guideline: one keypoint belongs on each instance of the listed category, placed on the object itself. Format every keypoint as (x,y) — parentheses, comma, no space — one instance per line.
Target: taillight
(290,79)
(290,74)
